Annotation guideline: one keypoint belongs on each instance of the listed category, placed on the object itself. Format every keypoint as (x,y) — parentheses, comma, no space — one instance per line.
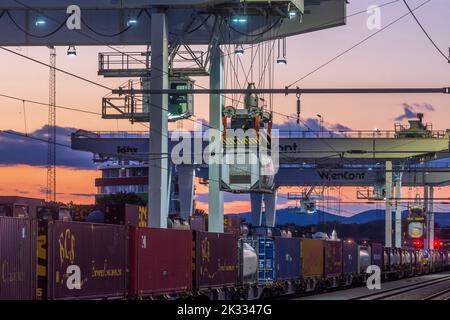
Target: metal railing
(113,61)
(282,134)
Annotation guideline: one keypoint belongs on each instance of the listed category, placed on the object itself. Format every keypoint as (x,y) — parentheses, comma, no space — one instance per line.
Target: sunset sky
(400,56)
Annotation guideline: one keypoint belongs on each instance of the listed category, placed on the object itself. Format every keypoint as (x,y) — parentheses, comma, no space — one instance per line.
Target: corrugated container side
(86,261)
(160,261)
(287,258)
(311,257)
(216,259)
(17,259)
(266,259)
(377,254)
(332,258)
(350,253)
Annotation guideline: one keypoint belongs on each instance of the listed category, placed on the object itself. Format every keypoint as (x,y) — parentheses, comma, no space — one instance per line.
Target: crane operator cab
(247,164)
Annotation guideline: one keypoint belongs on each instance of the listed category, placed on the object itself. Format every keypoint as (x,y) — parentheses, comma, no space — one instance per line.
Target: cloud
(17,150)
(309,124)
(410,110)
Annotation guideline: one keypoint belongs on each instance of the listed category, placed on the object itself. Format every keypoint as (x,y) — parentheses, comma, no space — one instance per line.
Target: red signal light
(417,243)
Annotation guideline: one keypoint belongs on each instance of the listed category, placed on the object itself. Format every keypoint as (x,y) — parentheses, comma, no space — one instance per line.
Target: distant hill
(286,216)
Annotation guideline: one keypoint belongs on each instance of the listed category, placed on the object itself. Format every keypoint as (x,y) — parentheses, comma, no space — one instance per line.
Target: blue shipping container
(287,258)
(350,253)
(265,260)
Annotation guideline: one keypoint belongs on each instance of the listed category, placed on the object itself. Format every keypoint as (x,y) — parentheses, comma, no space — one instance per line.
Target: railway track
(411,291)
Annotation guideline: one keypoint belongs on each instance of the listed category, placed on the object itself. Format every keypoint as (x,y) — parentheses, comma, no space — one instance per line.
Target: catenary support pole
(398,210)
(388,220)
(158,168)
(426,241)
(430,219)
(215,196)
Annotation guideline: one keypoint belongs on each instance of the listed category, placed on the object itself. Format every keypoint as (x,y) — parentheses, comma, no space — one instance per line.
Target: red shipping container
(17,259)
(160,261)
(332,258)
(216,259)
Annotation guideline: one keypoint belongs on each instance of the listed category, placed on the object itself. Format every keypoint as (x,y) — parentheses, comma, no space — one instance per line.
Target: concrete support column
(426,241)
(215,199)
(186,175)
(388,220)
(256,204)
(398,211)
(270,205)
(430,219)
(158,168)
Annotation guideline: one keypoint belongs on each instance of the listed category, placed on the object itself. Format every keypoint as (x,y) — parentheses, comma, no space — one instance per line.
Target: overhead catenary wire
(356,45)
(426,33)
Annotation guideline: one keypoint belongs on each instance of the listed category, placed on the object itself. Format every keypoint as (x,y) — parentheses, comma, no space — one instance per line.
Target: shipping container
(259,265)
(377,254)
(126,214)
(350,256)
(199,223)
(266,259)
(311,257)
(160,261)
(216,260)
(19,207)
(287,258)
(17,259)
(232,224)
(332,258)
(82,260)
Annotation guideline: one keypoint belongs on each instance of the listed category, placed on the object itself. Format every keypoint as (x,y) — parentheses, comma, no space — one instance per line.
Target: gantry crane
(51,130)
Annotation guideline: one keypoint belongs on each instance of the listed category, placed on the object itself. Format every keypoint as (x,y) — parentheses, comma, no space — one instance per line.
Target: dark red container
(332,258)
(160,261)
(216,259)
(17,259)
(83,260)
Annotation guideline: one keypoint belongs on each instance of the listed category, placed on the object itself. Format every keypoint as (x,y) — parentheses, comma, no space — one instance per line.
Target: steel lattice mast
(51,130)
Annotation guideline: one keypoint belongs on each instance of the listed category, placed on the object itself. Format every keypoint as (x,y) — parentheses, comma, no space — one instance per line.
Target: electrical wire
(355,45)
(113,34)
(47,104)
(34,35)
(426,33)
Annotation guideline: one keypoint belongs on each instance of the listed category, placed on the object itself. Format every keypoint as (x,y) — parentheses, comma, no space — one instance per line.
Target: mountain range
(287,216)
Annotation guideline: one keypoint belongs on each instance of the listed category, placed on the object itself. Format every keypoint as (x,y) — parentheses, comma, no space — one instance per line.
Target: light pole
(320,123)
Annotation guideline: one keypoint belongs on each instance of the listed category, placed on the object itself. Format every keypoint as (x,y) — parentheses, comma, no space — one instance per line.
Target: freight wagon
(49,259)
